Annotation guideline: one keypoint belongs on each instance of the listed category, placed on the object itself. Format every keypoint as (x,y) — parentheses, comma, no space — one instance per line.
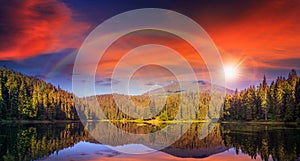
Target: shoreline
(38,121)
(260,122)
(153,121)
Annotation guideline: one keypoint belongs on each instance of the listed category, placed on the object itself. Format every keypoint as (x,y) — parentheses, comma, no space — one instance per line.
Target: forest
(162,108)
(279,101)
(27,98)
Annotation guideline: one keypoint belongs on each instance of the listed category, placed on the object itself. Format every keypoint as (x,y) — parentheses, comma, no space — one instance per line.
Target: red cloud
(130,41)
(32,27)
(264,32)
(257,34)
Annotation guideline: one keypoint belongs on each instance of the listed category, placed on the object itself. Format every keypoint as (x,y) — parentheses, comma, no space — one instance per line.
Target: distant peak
(199,82)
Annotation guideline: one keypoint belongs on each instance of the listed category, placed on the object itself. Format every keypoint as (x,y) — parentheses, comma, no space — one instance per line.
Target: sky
(258,37)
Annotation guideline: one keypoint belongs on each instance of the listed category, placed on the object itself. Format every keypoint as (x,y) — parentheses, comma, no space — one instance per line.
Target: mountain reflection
(32,141)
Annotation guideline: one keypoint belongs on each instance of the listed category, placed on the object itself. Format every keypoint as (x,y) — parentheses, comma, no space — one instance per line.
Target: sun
(230,72)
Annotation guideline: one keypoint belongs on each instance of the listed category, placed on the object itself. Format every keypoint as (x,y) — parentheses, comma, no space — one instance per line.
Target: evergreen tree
(278,105)
(12,88)
(3,105)
(24,97)
(262,94)
(227,106)
(271,99)
(280,101)
(24,104)
(297,95)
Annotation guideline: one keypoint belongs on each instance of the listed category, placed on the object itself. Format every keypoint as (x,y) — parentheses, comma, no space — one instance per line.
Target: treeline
(24,97)
(28,98)
(279,101)
(118,107)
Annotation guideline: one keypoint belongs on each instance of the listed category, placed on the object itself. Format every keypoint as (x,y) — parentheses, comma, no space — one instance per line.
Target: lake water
(70,142)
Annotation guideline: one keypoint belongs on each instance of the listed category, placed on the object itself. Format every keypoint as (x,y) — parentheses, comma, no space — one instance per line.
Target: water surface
(69,141)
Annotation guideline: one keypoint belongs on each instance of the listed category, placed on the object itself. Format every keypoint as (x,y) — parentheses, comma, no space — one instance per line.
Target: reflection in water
(83,151)
(63,140)
(31,141)
(276,142)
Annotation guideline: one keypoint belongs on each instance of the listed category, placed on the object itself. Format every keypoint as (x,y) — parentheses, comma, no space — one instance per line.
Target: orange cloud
(261,35)
(264,32)
(130,41)
(32,27)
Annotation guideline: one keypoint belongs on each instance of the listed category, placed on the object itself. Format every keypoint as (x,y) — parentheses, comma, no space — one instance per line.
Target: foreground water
(69,141)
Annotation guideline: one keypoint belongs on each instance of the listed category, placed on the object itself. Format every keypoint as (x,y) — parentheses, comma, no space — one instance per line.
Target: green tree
(271,99)
(290,102)
(262,95)
(297,95)
(3,97)
(278,102)
(24,104)
(226,110)
(12,88)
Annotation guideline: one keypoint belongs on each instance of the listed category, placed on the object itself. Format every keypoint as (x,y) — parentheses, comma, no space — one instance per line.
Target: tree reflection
(269,142)
(28,142)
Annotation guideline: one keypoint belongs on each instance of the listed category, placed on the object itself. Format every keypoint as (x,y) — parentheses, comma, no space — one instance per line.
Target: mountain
(187,86)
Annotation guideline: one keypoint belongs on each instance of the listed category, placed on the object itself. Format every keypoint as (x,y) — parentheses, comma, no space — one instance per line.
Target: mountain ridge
(187,86)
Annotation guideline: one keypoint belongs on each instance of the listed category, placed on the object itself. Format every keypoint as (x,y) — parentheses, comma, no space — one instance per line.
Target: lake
(71,142)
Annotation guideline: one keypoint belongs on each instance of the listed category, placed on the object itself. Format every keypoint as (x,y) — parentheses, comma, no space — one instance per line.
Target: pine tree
(12,87)
(289,113)
(235,106)
(297,95)
(35,101)
(293,78)
(226,110)
(3,106)
(271,99)
(262,94)
(290,97)
(278,105)
(24,104)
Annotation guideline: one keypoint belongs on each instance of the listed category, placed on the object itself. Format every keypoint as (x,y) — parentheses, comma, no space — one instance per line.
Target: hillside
(23,97)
